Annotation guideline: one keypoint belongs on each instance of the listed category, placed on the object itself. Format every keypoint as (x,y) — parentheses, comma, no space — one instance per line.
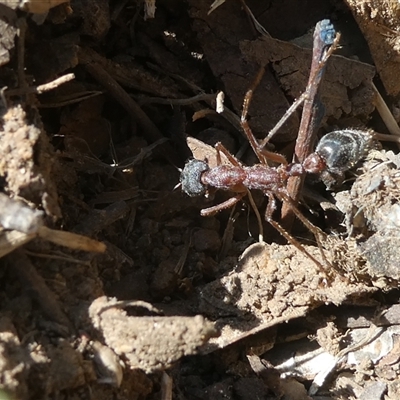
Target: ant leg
(219,162)
(284,118)
(285,198)
(230,203)
(260,225)
(232,159)
(260,152)
(250,91)
(257,147)
(268,216)
(222,206)
(322,54)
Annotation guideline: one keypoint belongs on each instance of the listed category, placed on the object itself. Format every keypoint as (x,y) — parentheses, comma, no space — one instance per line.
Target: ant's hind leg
(318,233)
(268,216)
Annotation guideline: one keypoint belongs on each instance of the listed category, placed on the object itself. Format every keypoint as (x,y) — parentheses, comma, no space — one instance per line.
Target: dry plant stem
(116,90)
(96,221)
(63,101)
(56,257)
(182,259)
(115,196)
(130,105)
(309,119)
(254,23)
(71,240)
(35,285)
(41,88)
(228,235)
(177,102)
(166,387)
(227,114)
(386,116)
(22,26)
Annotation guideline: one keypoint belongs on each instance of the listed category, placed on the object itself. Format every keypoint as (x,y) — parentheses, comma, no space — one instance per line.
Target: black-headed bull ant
(336,152)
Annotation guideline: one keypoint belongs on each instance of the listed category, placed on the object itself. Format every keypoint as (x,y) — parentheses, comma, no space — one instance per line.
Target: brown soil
(112,284)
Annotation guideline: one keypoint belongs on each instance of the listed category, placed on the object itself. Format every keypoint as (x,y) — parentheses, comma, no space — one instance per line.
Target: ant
(336,152)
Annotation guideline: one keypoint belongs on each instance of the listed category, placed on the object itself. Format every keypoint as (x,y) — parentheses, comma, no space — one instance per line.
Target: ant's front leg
(230,203)
(222,206)
(262,154)
(232,159)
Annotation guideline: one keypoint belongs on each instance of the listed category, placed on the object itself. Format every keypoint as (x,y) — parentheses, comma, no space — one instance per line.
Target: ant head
(314,163)
(343,149)
(191,178)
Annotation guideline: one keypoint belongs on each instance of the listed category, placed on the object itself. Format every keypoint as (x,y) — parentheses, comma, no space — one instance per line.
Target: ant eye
(191,178)
(341,150)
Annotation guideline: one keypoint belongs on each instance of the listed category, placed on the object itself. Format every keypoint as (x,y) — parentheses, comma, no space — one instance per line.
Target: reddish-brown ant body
(336,152)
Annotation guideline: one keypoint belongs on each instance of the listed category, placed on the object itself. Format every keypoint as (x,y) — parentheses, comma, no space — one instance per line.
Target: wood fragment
(126,101)
(34,284)
(71,240)
(41,88)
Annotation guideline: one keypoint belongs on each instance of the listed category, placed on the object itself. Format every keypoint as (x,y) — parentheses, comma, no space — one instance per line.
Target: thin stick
(303,97)
(325,42)
(41,88)
(22,26)
(386,115)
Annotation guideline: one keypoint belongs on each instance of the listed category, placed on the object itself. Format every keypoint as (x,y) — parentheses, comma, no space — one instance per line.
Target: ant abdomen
(343,149)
